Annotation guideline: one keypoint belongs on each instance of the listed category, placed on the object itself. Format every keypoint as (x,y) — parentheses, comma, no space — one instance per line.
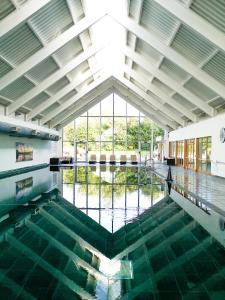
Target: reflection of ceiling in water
(51,250)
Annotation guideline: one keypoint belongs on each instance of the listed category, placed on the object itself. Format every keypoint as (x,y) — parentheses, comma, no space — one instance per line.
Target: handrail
(219,162)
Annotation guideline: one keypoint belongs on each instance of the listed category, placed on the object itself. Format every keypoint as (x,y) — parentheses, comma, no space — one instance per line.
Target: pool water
(111,195)
(53,248)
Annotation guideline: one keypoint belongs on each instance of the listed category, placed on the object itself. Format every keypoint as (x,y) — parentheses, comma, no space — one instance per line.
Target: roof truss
(129,79)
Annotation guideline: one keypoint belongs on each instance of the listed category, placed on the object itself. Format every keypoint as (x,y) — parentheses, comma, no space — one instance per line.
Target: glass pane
(68,192)
(93,196)
(107,129)
(94,214)
(68,176)
(68,149)
(80,174)
(81,149)
(106,196)
(81,129)
(80,195)
(69,133)
(93,129)
(119,196)
(119,106)
(93,176)
(132,176)
(120,177)
(95,110)
(120,129)
(106,219)
(145,129)
(120,148)
(132,133)
(94,148)
(107,106)
(131,111)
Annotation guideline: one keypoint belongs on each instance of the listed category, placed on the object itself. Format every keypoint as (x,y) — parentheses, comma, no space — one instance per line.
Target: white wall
(43,180)
(208,127)
(42,151)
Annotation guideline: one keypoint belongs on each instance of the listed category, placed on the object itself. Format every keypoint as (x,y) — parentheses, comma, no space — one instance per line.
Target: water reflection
(111,195)
(51,250)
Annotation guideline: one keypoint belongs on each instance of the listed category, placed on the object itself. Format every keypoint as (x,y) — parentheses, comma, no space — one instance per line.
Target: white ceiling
(60,57)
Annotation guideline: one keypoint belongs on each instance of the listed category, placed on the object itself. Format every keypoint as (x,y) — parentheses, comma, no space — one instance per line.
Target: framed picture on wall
(24,152)
(24,188)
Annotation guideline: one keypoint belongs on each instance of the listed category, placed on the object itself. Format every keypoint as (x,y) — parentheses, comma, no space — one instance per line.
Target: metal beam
(170,114)
(63,92)
(74,63)
(85,90)
(194,21)
(52,47)
(171,54)
(21,15)
(165,98)
(145,64)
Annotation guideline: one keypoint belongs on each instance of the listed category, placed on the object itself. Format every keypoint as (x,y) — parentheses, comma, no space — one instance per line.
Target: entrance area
(193,154)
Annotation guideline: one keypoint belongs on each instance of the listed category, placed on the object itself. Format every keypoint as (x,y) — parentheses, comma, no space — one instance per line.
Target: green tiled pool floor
(52,250)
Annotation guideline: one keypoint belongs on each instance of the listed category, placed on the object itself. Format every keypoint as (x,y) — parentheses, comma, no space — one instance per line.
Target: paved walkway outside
(209,188)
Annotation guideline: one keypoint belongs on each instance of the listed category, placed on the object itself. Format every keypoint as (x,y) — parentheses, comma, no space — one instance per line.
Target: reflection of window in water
(115,190)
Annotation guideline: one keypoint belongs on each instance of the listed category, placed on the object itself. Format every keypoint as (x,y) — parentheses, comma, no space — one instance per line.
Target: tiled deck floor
(209,188)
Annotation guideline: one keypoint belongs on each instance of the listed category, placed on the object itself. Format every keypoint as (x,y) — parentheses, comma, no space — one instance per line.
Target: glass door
(145,151)
(190,159)
(80,151)
(180,153)
(172,150)
(204,154)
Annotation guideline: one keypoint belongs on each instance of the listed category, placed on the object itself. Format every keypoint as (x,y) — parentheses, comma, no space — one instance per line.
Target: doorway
(80,154)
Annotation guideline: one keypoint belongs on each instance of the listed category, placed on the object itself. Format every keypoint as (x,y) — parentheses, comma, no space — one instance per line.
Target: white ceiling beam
(75,62)
(171,54)
(149,67)
(85,90)
(83,37)
(194,21)
(163,96)
(78,111)
(52,47)
(146,101)
(79,104)
(152,101)
(133,40)
(137,103)
(63,92)
(21,15)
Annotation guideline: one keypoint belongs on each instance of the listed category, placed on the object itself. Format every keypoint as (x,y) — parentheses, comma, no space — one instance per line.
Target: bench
(92,159)
(123,159)
(102,159)
(133,159)
(112,159)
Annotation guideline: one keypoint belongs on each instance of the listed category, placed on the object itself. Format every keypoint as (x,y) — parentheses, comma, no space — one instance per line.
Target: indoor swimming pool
(106,233)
